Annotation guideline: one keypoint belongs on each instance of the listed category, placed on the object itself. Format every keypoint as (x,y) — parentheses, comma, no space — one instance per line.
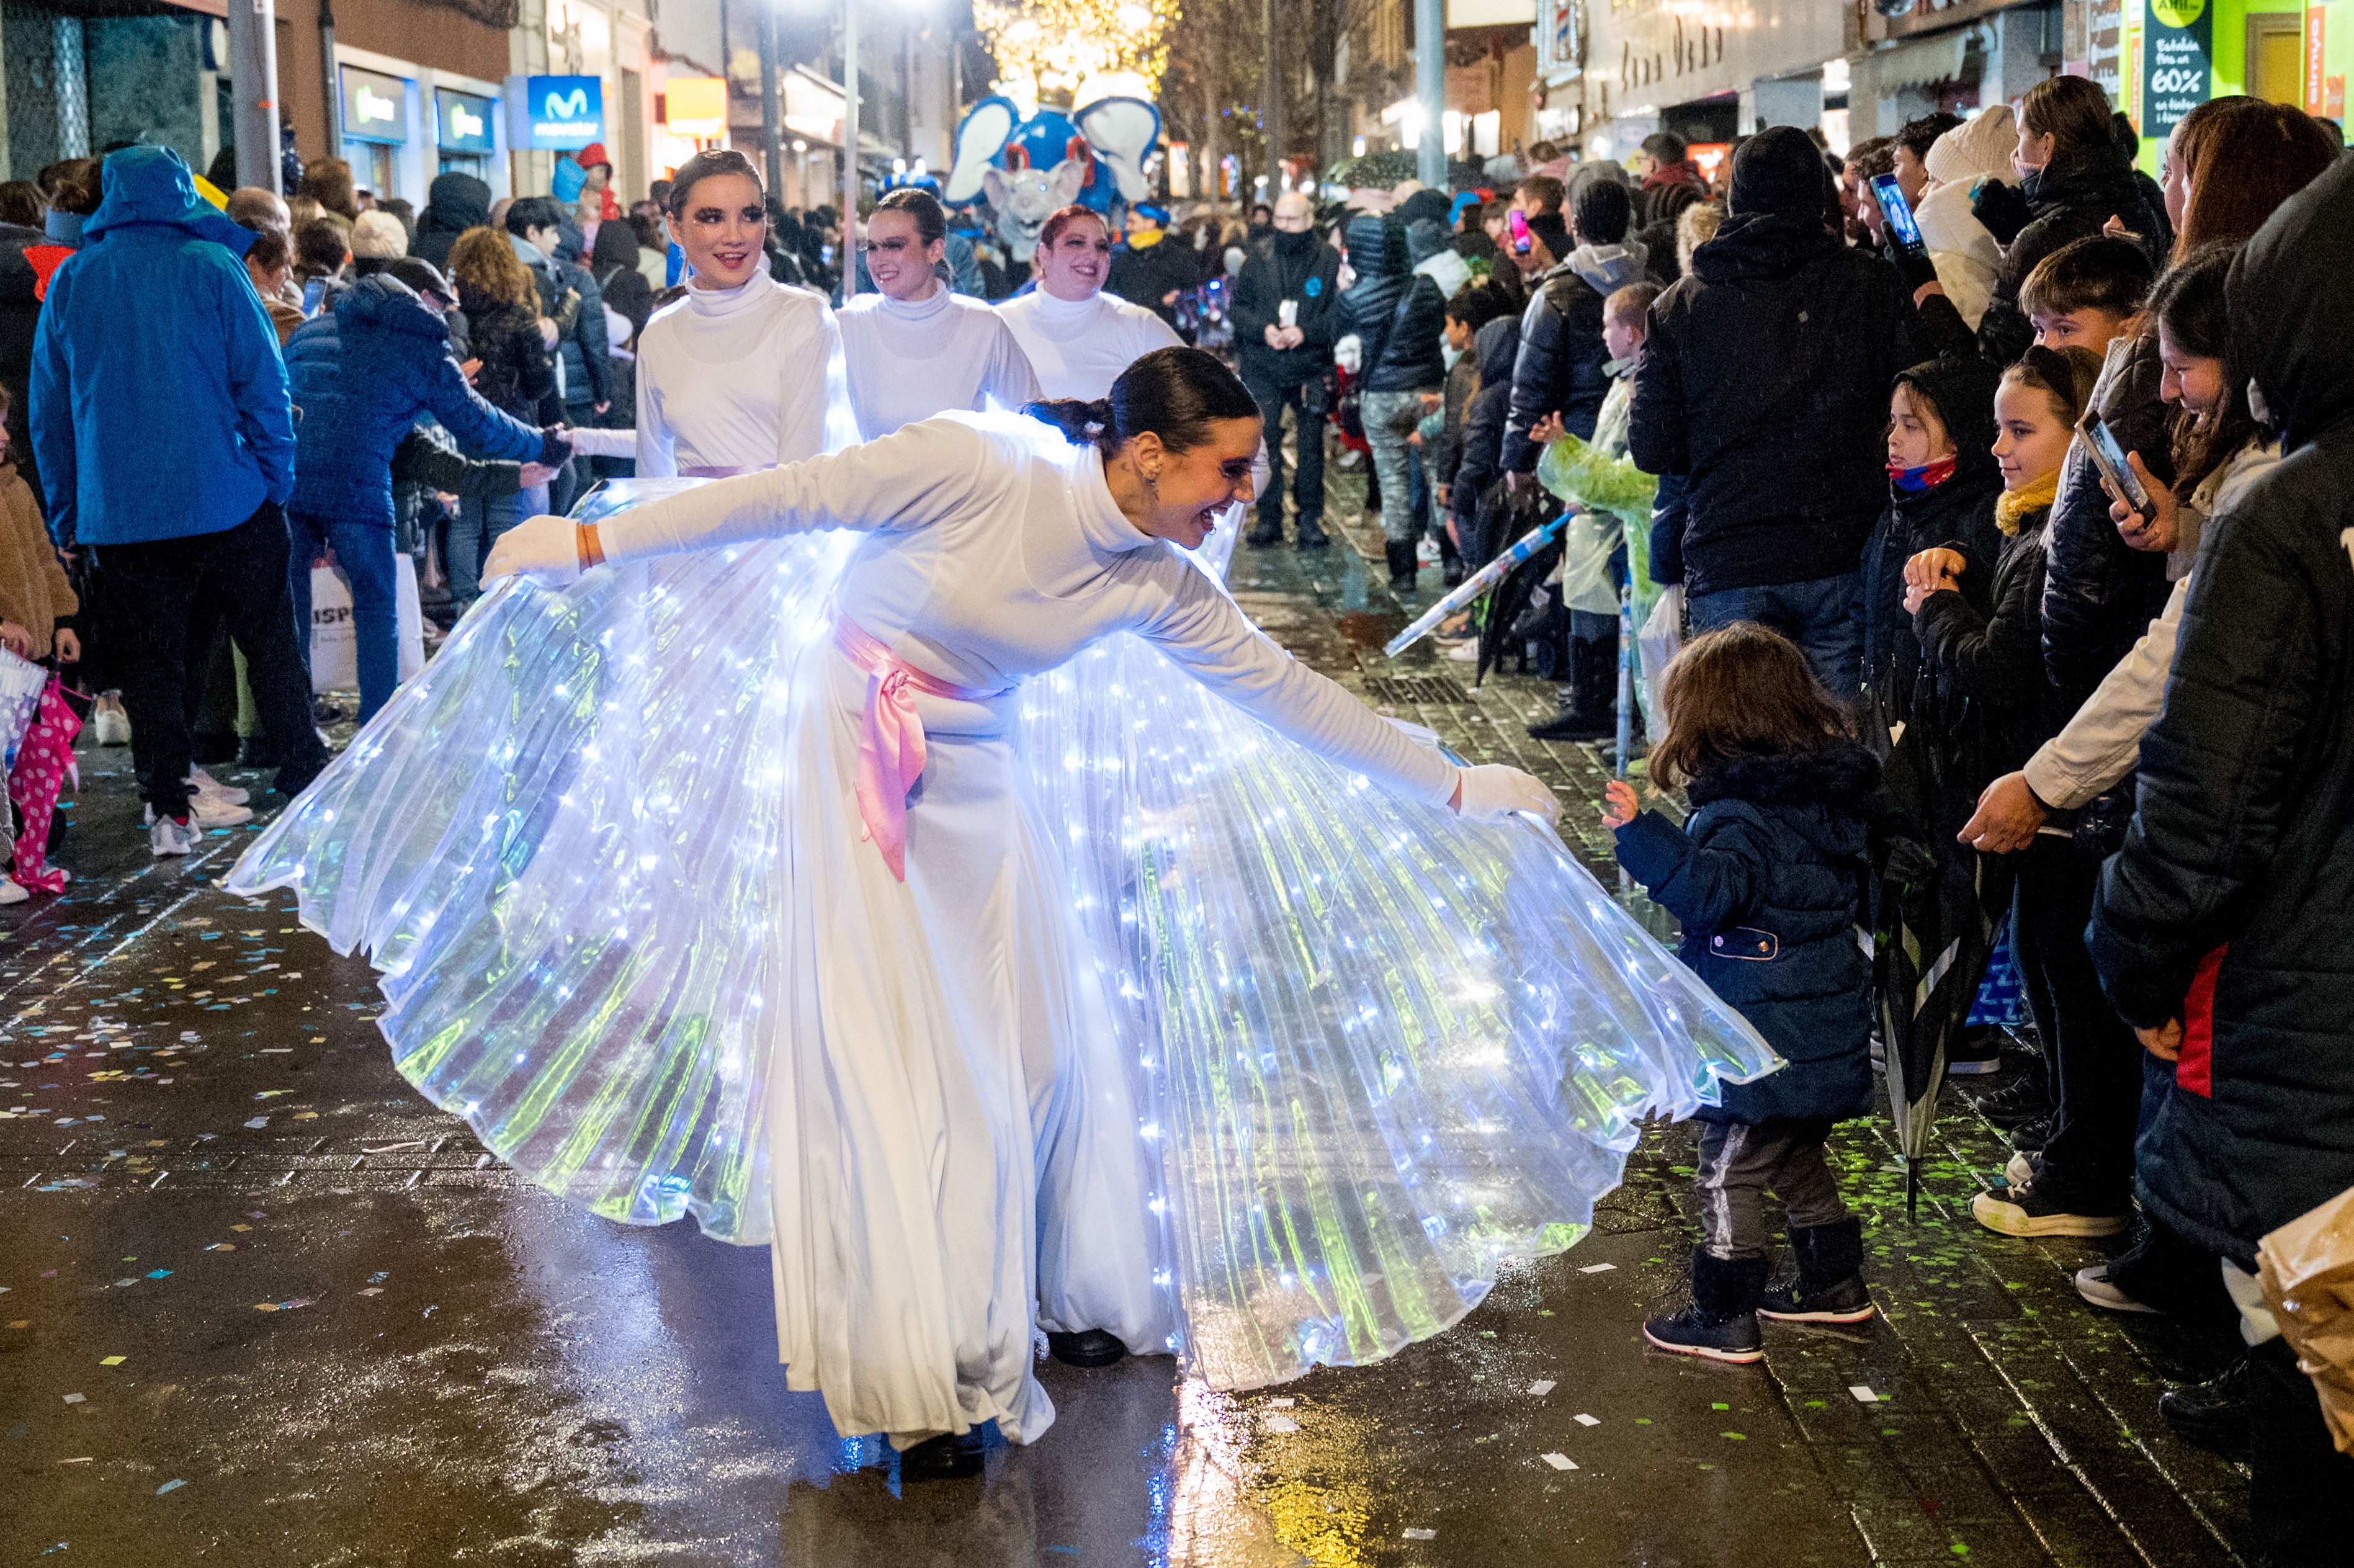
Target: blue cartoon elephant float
(1027,168)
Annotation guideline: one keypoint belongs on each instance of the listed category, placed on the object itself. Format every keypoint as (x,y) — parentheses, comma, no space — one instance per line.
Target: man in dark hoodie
(2220,930)
(455,204)
(1285,324)
(1764,384)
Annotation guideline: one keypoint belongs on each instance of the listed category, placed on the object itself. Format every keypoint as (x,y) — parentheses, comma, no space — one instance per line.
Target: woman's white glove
(546,548)
(1492,793)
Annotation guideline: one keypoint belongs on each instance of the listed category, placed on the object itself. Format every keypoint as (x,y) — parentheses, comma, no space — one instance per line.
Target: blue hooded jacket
(160,409)
(362,374)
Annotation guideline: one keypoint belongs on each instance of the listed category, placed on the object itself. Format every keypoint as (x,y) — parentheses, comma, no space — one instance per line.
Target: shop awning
(1918,62)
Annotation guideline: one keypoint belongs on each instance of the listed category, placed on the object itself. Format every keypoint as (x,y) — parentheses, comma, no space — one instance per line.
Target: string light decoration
(1369,1052)
(1048,50)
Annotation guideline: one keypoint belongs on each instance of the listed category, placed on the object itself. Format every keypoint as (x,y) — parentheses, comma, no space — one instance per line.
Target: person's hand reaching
(2007,817)
(1547,431)
(2164,1042)
(536,474)
(68,645)
(1931,571)
(544,547)
(1494,793)
(1620,803)
(16,639)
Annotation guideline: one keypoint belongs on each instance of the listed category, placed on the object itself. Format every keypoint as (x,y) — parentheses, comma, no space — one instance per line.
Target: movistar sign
(563,113)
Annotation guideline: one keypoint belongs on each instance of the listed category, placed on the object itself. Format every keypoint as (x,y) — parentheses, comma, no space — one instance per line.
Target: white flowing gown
(738,378)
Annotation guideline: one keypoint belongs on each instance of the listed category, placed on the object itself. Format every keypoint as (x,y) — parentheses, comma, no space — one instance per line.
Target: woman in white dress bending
(1079,338)
(951,1138)
(744,372)
(913,347)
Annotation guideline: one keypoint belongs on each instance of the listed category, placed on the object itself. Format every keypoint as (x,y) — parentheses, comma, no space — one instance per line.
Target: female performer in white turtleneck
(912,348)
(1079,338)
(746,372)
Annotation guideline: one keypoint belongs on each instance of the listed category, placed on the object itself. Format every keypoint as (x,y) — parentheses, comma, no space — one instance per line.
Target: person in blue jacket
(1767,879)
(363,375)
(166,445)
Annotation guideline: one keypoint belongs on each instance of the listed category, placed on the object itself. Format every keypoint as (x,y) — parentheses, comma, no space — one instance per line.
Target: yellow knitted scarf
(2014,505)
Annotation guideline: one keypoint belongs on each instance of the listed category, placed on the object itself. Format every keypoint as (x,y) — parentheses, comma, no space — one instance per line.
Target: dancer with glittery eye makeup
(744,372)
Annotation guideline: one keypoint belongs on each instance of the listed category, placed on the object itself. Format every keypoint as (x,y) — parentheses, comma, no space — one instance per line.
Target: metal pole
(727,79)
(1271,117)
(907,91)
(849,148)
(253,89)
(331,79)
(1430,91)
(768,116)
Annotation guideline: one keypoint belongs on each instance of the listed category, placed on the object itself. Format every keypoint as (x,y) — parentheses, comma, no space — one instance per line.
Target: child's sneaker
(209,811)
(173,835)
(109,724)
(1721,1324)
(2017,1209)
(12,891)
(1829,1287)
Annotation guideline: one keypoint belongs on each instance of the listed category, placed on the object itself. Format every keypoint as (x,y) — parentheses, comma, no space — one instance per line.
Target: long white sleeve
(1009,378)
(917,476)
(2100,745)
(587,441)
(1207,636)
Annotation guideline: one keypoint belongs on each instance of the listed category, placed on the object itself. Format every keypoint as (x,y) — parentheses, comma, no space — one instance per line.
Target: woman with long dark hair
(515,376)
(835,934)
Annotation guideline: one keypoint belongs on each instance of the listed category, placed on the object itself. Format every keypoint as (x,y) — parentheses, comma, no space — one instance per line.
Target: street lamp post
(253,84)
(1430,91)
(769,127)
(849,148)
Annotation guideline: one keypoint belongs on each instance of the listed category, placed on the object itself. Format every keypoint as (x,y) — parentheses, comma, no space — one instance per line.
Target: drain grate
(1430,689)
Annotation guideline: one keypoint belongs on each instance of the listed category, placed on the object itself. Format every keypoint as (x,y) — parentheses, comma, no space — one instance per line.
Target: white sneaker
(170,837)
(12,891)
(110,726)
(204,783)
(1464,652)
(1426,552)
(208,811)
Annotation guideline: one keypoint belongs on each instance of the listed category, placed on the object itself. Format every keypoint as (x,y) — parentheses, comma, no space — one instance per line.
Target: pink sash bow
(891,752)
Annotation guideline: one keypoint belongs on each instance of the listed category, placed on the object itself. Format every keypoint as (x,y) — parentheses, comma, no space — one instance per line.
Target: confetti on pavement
(1559,1461)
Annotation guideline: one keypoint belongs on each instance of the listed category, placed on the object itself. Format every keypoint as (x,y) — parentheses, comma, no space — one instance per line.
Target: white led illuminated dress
(1197,1017)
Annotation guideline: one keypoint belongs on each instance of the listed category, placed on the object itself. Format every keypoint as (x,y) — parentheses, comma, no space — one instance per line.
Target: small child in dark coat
(1767,881)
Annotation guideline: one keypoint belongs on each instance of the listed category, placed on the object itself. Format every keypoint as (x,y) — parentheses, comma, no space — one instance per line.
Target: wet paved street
(263,1306)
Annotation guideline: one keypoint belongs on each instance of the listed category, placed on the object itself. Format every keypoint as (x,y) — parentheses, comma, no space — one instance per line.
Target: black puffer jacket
(1304,269)
(1765,381)
(2064,204)
(1479,464)
(1992,661)
(2100,594)
(1560,365)
(1767,879)
(1396,313)
(1958,513)
(2227,906)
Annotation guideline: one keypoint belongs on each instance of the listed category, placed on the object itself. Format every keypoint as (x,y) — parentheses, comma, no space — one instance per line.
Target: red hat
(592,155)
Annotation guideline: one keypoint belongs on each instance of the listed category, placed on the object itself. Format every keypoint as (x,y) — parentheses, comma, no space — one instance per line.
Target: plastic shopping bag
(1660,641)
(2306,1269)
(22,681)
(1587,545)
(334,647)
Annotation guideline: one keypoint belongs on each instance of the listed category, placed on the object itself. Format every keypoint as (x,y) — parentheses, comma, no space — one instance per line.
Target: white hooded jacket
(1964,253)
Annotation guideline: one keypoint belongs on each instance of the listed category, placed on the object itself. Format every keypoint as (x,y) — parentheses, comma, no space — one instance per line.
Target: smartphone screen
(313,292)
(1898,214)
(1519,224)
(2110,459)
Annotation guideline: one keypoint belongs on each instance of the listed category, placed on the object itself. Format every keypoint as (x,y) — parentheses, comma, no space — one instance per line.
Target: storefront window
(462,130)
(376,122)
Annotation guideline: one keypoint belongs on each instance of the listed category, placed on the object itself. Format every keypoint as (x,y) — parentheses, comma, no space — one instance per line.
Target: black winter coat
(1959,513)
(1273,272)
(1767,879)
(2227,906)
(1397,314)
(517,376)
(453,204)
(1765,380)
(2062,205)
(1480,462)
(1560,368)
(582,349)
(2100,594)
(1994,661)
(1147,277)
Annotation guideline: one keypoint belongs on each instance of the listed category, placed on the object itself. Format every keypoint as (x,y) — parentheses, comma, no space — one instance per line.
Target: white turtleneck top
(742,378)
(1079,348)
(908,360)
(992,551)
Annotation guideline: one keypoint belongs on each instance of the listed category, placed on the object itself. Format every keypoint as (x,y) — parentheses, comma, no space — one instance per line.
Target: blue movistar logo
(567,106)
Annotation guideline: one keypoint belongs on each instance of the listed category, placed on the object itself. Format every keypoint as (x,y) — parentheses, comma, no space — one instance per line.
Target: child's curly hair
(1743,690)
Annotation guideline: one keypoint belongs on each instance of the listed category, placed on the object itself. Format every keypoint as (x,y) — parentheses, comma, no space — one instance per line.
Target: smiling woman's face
(1076,264)
(1189,488)
(720,227)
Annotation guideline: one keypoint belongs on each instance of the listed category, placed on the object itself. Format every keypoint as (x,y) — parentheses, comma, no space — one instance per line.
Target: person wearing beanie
(1562,376)
(1765,386)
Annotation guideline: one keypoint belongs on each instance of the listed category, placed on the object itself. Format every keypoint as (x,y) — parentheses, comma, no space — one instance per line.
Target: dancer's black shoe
(1087,1347)
(946,1457)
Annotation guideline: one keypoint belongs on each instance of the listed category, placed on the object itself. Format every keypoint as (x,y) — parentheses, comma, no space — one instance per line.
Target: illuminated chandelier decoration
(1052,49)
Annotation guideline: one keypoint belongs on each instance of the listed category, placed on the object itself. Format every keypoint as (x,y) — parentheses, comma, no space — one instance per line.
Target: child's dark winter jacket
(1767,879)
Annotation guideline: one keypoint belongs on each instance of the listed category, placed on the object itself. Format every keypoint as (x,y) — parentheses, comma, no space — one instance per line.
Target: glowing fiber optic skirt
(1381,1052)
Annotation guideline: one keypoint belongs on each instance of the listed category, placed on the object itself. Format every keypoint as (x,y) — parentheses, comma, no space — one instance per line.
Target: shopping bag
(334,645)
(335,651)
(1660,641)
(22,681)
(2306,1269)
